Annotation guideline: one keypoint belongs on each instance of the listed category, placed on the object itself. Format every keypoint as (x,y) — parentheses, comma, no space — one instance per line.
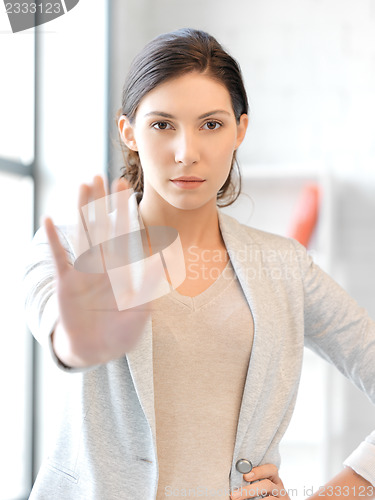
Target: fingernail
(250,475)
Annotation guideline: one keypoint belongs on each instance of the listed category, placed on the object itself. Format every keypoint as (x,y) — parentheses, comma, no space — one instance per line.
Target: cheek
(222,151)
(152,150)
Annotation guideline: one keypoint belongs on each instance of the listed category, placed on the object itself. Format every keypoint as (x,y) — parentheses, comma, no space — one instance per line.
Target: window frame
(31,170)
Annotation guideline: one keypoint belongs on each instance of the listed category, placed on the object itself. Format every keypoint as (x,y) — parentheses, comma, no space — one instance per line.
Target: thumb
(58,251)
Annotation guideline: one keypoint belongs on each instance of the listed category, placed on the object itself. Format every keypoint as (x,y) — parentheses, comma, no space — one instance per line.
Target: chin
(183,203)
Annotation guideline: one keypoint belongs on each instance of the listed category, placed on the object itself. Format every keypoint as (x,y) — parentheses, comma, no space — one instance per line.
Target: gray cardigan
(106,448)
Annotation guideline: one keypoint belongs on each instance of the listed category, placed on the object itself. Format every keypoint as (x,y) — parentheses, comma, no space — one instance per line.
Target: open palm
(91,328)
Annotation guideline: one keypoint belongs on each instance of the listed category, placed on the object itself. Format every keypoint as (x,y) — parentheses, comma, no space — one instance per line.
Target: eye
(212,125)
(161,125)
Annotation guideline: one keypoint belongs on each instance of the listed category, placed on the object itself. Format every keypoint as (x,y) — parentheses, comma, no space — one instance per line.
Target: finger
(120,242)
(83,237)
(84,196)
(266,471)
(265,488)
(266,477)
(98,187)
(98,194)
(101,223)
(58,251)
(121,198)
(246,492)
(120,185)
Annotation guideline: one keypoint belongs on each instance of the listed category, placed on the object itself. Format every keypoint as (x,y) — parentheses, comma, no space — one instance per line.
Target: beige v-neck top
(201,352)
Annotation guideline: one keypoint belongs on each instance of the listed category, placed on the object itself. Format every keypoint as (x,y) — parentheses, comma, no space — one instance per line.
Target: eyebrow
(205,115)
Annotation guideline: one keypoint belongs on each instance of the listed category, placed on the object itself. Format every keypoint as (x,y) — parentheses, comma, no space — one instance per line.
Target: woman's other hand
(264,482)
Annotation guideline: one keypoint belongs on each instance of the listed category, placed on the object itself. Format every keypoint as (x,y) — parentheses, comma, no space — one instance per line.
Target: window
(16,202)
(17,62)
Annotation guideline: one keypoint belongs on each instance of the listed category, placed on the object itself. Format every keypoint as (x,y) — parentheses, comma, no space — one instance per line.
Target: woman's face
(185,127)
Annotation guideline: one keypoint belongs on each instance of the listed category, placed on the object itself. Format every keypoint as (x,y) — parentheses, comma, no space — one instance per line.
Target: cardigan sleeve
(39,284)
(341,331)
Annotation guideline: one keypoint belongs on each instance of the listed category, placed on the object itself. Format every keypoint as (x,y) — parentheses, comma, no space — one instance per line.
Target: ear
(241,129)
(127,132)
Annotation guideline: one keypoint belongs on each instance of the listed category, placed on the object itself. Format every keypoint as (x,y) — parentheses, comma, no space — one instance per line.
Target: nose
(187,149)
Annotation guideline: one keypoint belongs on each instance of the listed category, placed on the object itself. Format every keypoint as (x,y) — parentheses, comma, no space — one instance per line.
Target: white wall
(309,67)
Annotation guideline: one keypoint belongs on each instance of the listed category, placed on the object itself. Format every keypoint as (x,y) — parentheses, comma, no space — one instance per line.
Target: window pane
(16,93)
(16,209)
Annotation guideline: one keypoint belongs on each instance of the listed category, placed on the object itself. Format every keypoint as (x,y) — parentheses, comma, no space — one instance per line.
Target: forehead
(190,94)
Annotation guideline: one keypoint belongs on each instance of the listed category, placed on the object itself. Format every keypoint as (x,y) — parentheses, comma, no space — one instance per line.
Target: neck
(198,227)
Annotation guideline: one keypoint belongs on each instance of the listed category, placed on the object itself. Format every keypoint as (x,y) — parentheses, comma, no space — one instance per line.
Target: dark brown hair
(171,55)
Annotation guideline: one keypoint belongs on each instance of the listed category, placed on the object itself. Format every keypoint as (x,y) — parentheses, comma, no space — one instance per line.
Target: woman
(173,393)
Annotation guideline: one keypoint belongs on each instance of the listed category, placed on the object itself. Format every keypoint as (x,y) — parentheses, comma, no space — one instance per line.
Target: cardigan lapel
(141,368)
(140,359)
(246,258)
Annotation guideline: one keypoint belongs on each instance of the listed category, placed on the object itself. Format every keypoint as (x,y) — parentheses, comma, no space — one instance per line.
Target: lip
(187,178)
(188,182)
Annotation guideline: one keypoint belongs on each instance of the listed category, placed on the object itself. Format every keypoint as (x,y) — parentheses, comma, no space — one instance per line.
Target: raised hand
(91,328)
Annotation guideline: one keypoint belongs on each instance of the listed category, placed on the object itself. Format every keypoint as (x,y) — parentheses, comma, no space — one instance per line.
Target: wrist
(62,350)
